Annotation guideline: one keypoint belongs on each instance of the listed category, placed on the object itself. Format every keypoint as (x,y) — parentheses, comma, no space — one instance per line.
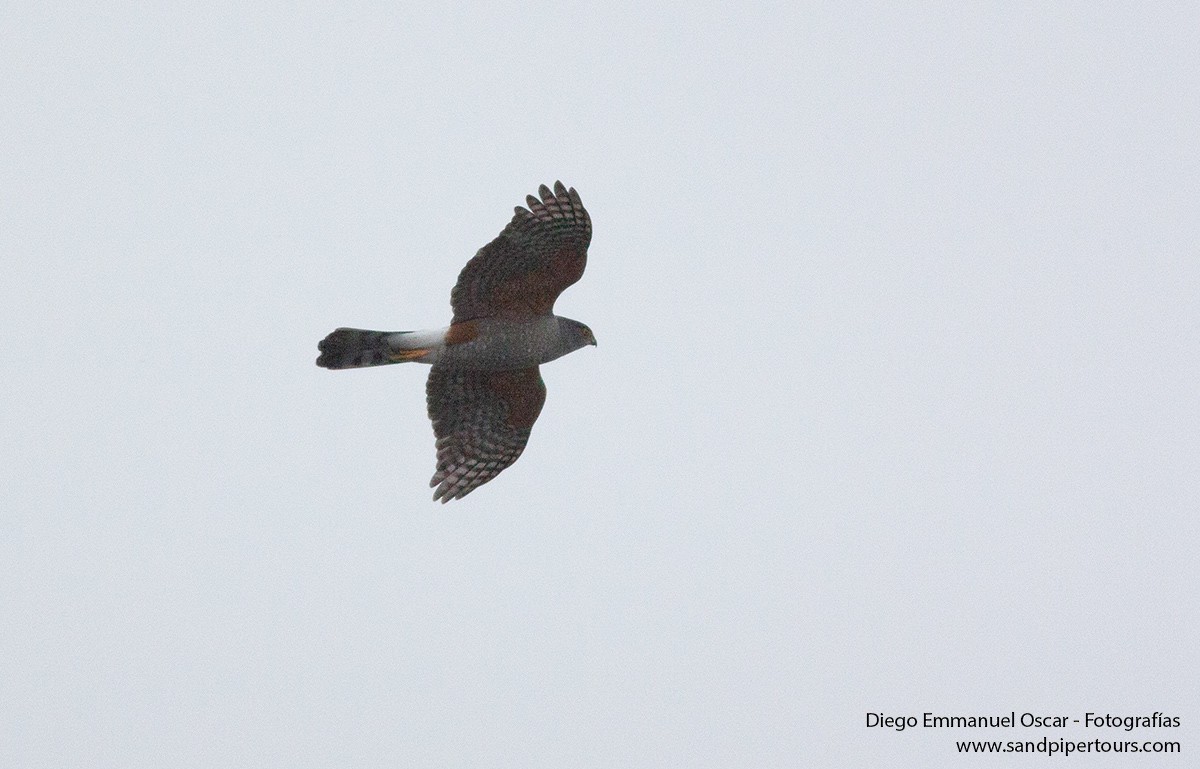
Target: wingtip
(441,489)
(447,494)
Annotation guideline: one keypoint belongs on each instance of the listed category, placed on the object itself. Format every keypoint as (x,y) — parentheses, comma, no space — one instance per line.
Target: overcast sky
(894,407)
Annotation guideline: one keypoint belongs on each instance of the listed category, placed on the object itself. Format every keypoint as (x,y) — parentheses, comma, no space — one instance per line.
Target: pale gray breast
(508,344)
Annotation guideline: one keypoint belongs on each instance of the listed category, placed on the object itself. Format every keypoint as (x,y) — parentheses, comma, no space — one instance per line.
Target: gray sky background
(893,409)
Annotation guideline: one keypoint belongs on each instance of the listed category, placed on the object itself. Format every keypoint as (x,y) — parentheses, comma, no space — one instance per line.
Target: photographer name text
(1028,720)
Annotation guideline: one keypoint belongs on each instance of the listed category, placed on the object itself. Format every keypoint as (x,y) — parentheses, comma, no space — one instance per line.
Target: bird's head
(576,333)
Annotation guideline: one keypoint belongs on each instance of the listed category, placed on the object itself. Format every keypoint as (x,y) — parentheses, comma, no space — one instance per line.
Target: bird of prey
(484,391)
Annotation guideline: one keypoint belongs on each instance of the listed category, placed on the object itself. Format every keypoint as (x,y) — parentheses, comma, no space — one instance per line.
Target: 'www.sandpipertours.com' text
(1046,745)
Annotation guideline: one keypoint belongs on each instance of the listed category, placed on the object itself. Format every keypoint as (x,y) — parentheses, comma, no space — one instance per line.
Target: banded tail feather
(357,348)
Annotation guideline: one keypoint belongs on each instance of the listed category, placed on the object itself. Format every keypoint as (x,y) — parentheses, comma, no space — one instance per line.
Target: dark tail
(354,348)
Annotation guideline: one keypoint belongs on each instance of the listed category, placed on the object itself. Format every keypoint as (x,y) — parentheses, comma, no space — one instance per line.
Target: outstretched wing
(520,273)
(482,420)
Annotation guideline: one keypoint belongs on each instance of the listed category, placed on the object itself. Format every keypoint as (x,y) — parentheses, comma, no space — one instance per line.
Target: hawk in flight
(484,391)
